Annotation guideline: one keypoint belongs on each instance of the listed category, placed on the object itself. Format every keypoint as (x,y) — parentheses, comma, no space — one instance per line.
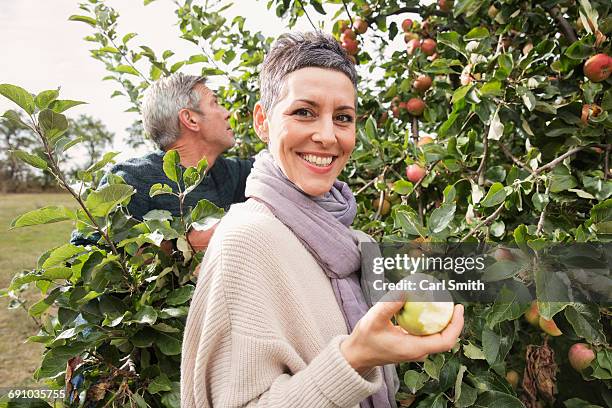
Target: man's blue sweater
(223,185)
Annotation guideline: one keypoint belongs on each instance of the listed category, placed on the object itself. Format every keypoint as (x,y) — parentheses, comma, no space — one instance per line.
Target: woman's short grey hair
(162,102)
(294,51)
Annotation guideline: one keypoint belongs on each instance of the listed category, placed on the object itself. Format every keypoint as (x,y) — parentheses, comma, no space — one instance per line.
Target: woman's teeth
(317,160)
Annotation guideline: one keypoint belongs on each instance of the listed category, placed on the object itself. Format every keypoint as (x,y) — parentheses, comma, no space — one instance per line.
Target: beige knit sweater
(264,328)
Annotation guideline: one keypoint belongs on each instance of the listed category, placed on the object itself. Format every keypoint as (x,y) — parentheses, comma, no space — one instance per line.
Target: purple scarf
(322,225)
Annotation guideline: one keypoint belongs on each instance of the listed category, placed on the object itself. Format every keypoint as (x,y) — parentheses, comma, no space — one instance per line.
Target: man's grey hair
(294,51)
(162,102)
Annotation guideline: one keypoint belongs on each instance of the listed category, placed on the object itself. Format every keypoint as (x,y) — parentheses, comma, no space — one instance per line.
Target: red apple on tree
(445,5)
(406,25)
(532,315)
(422,83)
(424,141)
(549,327)
(351,46)
(348,33)
(410,36)
(415,173)
(580,356)
(428,46)
(361,26)
(413,45)
(598,67)
(513,378)
(415,106)
(343,25)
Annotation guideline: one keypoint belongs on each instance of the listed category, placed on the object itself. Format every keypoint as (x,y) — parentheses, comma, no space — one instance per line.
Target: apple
(366,10)
(422,83)
(415,173)
(532,315)
(406,25)
(598,67)
(386,207)
(424,140)
(410,36)
(343,25)
(428,46)
(580,356)
(395,110)
(492,12)
(413,45)
(549,327)
(513,378)
(445,5)
(361,26)
(402,105)
(348,33)
(425,318)
(415,106)
(503,254)
(351,46)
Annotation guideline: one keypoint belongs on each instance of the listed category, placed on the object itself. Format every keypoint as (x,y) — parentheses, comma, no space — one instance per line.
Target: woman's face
(311,129)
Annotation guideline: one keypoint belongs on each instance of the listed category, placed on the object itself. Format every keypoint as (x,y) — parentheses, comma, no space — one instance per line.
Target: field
(19,250)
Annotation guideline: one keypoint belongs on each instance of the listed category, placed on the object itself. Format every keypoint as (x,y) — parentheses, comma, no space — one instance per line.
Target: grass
(19,250)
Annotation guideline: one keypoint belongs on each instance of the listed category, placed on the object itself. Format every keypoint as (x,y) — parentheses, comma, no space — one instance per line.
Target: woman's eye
(303,112)
(344,118)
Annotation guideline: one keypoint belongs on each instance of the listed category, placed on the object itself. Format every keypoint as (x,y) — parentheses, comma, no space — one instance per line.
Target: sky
(42,50)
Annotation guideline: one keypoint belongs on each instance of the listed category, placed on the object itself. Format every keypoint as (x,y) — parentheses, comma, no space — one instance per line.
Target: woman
(279,290)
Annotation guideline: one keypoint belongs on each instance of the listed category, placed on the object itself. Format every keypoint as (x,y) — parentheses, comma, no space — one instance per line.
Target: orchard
(480,122)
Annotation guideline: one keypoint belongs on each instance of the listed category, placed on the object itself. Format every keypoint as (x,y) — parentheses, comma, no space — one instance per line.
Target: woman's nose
(325,132)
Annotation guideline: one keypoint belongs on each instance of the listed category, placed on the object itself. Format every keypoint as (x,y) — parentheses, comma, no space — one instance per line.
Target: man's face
(213,120)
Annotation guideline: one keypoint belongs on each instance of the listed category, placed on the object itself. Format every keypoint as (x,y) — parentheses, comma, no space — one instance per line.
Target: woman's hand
(376,341)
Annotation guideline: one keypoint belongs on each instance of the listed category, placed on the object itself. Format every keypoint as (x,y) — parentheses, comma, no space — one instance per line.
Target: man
(181,113)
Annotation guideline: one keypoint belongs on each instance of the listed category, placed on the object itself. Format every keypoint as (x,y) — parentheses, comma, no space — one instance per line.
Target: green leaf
(495,196)
(58,272)
(18,95)
(467,396)
(60,254)
(146,315)
(205,213)
(55,359)
(31,159)
(506,65)
(52,123)
(158,189)
(45,215)
(579,50)
(433,365)
(509,305)
(477,33)
(107,158)
(160,383)
(171,165)
(498,399)
(370,128)
(103,201)
(403,187)
(496,127)
(409,223)
(473,352)
(441,217)
(44,98)
(453,40)
(84,19)
(180,295)
(415,380)
(60,105)
(126,69)
(169,345)
(562,182)
(585,322)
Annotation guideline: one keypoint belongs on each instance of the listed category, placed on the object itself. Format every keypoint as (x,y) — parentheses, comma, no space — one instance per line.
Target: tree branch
(607,162)
(514,159)
(483,163)
(566,28)
(307,16)
(348,13)
(557,160)
(543,215)
(484,222)
(416,10)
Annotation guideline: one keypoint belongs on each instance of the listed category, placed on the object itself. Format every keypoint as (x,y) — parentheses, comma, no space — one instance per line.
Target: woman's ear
(260,122)
(188,120)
